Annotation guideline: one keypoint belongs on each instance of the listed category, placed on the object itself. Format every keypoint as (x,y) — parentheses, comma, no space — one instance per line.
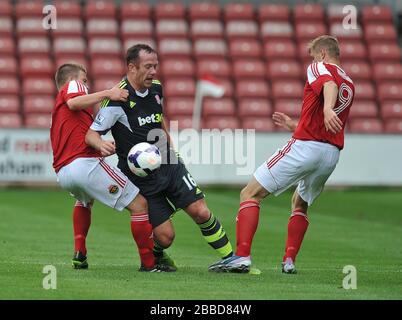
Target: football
(143,158)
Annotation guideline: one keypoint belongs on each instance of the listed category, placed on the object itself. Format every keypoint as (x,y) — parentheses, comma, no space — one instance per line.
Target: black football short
(167,189)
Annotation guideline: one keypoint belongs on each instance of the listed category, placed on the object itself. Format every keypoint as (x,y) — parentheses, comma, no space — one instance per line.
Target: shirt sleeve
(106,118)
(317,75)
(74,89)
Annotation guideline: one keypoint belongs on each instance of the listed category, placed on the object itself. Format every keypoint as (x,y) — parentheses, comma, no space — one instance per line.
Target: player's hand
(118,94)
(284,121)
(331,121)
(107,148)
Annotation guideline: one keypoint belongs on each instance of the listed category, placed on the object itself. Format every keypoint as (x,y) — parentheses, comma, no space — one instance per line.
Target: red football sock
(81,223)
(141,230)
(246,226)
(297,227)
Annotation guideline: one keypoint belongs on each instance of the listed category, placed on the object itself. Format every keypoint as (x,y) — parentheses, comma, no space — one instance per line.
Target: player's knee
(199,211)
(165,239)
(138,205)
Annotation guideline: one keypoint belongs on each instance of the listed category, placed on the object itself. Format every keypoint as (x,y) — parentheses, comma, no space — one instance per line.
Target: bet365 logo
(153,118)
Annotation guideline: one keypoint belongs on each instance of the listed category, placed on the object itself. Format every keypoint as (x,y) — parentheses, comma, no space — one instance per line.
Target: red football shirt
(311,124)
(68,129)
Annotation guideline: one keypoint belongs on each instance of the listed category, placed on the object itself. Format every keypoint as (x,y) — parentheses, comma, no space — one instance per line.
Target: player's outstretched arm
(331,121)
(284,121)
(85,101)
(94,139)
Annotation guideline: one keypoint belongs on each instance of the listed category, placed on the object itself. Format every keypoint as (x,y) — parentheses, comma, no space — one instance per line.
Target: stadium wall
(215,158)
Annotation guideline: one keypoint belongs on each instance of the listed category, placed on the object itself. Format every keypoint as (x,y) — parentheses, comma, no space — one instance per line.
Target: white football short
(308,163)
(92,178)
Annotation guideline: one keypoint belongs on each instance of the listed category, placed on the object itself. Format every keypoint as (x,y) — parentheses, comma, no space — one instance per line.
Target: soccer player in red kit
(82,170)
(308,158)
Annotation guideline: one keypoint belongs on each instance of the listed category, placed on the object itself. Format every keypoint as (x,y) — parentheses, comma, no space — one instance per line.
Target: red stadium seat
(134,40)
(228,87)
(38,121)
(391,109)
(72,59)
(308,12)
(303,51)
(8,66)
(169,11)
(9,85)
(276,31)
(6,8)
(102,27)
(206,29)
(280,69)
(238,11)
(138,28)
(103,67)
(210,48)
(67,8)
(282,49)
(68,27)
(221,123)
(358,70)
(178,68)
(393,126)
(384,52)
(254,108)
(363,109)
(69,46)
(337,30)
(309,30)
(9,104)
(245,48)
(353,50)
(217,67)
(135,10)
(181,122)
(6,26)
(380,32)
(100,8)
(36,45)
(366,126)
(176,48)
(248,68)
(335,13)
(180,87)
(273,12)
(377,13)
(179,106)
(173,28)
(287,89)
(241,29)
(218,107)
(252,89)
(387,71)
(292,107)
(38,86)
(30,27)
(100,47)
(390,91)
(204,10)
(10,120)
(364,90)
(259,124)
(31,66)
(105,83)
(38,104)
(7,46)
(29,9)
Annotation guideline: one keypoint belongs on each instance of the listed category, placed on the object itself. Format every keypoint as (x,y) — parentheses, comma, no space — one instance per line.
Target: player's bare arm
(284,121)
(331,121)
(94,139)
(85,101)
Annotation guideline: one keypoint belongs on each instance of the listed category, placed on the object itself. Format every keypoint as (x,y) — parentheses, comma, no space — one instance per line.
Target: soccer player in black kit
(171,186)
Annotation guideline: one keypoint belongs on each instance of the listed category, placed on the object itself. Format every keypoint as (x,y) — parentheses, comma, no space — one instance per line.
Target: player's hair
(66,71)
(329,43)
(133,53)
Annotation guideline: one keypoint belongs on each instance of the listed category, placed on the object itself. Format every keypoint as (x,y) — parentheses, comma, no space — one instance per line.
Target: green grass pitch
(359,227)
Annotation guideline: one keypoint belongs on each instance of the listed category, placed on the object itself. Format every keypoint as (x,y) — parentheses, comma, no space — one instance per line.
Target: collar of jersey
(141,94)
(333,65)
